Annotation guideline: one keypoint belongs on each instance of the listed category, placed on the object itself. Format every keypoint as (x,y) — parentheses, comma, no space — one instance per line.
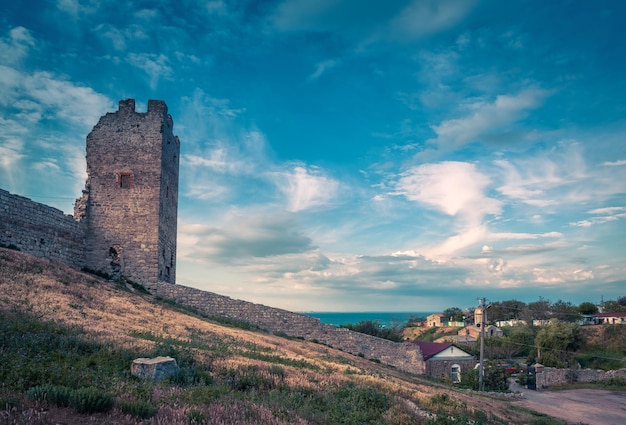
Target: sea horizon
(385,318)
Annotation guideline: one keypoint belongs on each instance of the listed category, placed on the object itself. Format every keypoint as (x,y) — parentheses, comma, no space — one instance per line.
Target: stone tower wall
(40,230)
(168,204)
(130,201)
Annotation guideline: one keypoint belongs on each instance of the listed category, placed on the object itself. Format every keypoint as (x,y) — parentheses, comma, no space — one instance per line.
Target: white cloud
(322,67)
(521,236)
(305,188)
(115,36)
(371,21)
(241,236)
(16,45)
(156,66)
(48,164)
(71,7)
(75,8)
(65,100)
(11,153)
(216,7)
(486,119)
(467,236)
(608,210)
(549,179)
(454,188)
(605,215)
(421,17)
(615,163)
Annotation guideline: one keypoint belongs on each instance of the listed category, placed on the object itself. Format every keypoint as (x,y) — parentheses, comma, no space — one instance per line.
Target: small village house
(618,318)
(444,360)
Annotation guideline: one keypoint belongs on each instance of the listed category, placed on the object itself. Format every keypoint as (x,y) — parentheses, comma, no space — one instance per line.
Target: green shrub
(615,383)
(10,246)
(98,273)
(196,417)
(91,400)
(138,409)
(374,328)
(38,393)
(56,395)
(277,371)
(248,378)
(59,395)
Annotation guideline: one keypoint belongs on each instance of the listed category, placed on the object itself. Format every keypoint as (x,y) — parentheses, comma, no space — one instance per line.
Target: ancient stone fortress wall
(404,356)
(40,230)
(130,200)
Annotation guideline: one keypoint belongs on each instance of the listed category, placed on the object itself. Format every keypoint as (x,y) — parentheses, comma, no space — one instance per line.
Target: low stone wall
(404,356)
(40,230)
(551,376)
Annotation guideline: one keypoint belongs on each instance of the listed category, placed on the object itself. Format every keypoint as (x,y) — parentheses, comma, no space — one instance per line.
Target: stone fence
(551,376)
(40,230)
(404,356)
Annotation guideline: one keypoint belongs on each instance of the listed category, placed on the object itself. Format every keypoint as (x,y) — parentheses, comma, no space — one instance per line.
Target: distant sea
(386,319)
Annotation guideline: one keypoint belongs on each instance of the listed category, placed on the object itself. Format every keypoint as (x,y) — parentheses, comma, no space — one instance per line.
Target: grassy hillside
(67,340)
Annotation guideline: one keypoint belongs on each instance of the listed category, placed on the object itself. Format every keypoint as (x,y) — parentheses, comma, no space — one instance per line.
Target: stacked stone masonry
(441,368)
(551,376)
(130,200)
(404,356)
(40,230)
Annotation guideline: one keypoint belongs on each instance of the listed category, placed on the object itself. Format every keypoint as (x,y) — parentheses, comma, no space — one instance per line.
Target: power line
(563,351)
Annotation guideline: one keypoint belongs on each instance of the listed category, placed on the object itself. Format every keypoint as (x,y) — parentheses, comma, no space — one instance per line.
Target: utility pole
(481,368)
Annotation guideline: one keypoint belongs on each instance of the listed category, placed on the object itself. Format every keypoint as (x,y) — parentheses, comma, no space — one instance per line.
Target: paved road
(594,407)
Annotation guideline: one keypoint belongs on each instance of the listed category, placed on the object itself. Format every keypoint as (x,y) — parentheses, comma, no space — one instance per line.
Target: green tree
(539,310)
(506,310)
(517,341)
(556,344)
(494,379)
(587,308)
(373,328)
(613,307)
(522,338)
(565,311)
(453,313)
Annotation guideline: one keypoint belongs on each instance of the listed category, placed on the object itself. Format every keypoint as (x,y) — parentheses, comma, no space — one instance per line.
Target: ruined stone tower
(130,203)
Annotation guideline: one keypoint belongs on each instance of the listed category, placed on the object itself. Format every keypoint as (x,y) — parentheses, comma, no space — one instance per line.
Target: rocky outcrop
(154,369)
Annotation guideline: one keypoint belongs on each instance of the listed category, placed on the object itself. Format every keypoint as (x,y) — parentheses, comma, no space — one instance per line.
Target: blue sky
(343,155)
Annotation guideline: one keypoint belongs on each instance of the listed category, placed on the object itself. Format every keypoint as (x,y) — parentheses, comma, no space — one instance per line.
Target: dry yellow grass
(110,313)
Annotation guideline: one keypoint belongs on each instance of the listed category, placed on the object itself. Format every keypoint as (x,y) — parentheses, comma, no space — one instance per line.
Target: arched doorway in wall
(455,373)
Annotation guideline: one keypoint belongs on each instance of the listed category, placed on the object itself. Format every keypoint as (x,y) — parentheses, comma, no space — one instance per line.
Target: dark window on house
(126,180)
(167,271)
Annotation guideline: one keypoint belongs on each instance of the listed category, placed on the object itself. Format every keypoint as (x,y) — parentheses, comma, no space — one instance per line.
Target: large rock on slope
(154,369)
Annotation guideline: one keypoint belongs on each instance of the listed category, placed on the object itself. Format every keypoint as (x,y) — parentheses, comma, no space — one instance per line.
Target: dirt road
(593,407)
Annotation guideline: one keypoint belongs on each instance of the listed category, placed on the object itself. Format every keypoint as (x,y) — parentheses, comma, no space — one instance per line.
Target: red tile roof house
(444,360)
(610,318)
